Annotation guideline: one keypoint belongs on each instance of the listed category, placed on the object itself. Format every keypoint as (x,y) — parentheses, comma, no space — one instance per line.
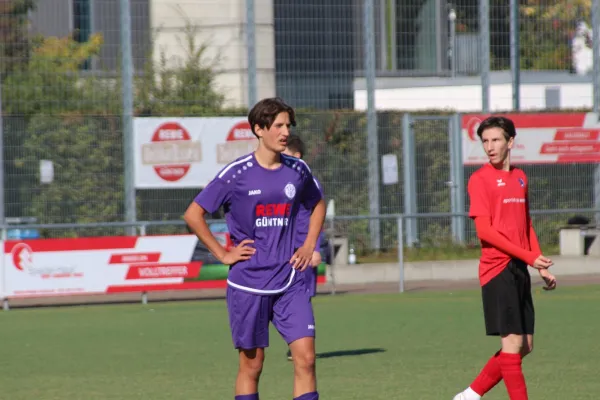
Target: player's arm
(317,218)
(481,213)
(209,200)
(195,218)
(534,243)
(487,233)
(316,258)
(311,198)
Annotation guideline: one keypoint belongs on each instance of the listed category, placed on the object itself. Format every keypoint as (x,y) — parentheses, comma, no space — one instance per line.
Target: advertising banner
(187,152)
(101,265)
(541,138)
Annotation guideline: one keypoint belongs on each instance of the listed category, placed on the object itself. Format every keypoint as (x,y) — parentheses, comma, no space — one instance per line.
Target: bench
(579,240)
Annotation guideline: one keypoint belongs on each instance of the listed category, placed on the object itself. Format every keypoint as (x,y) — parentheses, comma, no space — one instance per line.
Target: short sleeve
(479,199)
(216,194)
(311,191)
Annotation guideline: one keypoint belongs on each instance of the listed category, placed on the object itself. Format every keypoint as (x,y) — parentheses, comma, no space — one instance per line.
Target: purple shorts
(310,280)
(249,315)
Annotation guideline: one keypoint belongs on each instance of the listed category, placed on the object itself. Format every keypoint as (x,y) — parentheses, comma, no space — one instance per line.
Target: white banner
(51,267)
(187,152)
(543,138)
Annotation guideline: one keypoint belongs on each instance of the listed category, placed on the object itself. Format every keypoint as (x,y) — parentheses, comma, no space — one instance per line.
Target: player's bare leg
(527,345)
(303,356)
(250,368)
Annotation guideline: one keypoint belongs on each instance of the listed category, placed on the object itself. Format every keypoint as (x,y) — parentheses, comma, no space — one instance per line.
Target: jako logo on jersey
(275,214)
(254,192)
(500,183)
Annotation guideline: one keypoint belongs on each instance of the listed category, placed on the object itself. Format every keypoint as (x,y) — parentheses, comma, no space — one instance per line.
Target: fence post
(458,178)
(251,52)
(401,253)
(5,305)
(596,54)
(372,142)
(2,211)
(484,46)
(410,179)
(515,59)
(596,92)
(127,89)
(332,252)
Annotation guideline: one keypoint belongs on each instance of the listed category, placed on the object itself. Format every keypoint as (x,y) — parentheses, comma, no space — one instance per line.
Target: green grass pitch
(420,345)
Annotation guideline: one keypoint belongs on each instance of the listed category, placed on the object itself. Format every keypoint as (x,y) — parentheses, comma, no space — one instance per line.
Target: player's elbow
(193,213)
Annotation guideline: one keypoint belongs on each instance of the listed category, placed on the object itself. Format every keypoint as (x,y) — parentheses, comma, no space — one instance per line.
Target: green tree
(14,41)
(50,83)
(546,30)
(74,120)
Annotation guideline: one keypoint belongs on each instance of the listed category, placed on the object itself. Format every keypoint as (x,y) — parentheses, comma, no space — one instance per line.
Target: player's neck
(267,158)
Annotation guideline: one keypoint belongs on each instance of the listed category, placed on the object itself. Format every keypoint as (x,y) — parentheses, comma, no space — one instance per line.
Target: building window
(82,24)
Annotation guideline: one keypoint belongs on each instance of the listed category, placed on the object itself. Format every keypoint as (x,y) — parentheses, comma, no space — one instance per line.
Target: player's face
(495,145)
(275,138)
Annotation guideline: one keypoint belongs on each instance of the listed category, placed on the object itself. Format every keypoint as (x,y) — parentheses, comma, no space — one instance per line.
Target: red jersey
(501,196)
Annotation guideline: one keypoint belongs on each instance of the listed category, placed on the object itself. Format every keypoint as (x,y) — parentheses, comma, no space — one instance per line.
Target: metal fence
(75,73)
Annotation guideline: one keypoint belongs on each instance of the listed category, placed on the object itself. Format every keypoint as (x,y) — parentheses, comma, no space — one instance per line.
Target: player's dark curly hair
(296,145)
(498,122)
(265,111)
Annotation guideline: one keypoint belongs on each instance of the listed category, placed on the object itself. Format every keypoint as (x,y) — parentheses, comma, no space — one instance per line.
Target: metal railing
(399,244)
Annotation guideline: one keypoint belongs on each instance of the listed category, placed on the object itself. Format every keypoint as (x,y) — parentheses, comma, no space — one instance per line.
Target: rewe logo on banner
(472,126)
(22,257)
(171,151)
(239,142)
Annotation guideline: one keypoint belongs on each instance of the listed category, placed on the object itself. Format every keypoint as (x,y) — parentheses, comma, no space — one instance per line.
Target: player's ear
(511,142)
(258,131)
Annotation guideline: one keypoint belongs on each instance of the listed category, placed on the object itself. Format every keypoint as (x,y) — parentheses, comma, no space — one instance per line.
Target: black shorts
(507,302)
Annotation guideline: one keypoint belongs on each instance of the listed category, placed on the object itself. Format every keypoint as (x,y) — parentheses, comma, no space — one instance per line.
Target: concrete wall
(221,27)
(539,91)
(458,270)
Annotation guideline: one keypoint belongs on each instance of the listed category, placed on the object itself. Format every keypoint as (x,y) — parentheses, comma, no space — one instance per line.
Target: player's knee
(513,344)
(305,361)
(526,349)
(251,364)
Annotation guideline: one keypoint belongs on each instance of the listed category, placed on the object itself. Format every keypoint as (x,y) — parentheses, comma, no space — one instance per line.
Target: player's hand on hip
(239,253)
(316,259)
(549,279)
(302,258)
(542,262)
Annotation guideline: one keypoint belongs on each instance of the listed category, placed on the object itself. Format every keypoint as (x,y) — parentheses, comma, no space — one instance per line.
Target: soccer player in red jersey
(500,208)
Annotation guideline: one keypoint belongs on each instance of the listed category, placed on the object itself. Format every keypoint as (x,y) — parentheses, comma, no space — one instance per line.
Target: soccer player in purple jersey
(295,148)
(261,194)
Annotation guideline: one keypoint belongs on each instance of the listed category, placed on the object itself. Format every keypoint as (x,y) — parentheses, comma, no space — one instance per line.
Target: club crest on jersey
(521,182)
(290,191)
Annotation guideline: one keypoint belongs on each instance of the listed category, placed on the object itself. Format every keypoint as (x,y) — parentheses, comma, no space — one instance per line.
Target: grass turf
(426,345)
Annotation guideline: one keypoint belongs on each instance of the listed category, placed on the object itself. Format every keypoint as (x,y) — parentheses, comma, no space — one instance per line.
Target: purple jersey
(304,220)
(262,205)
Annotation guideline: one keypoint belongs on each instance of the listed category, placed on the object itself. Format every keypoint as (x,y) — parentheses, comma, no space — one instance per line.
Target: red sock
(489,376)
(510,364)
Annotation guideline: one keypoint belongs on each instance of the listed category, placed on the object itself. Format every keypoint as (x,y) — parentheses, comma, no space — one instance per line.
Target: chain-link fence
(64,73)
